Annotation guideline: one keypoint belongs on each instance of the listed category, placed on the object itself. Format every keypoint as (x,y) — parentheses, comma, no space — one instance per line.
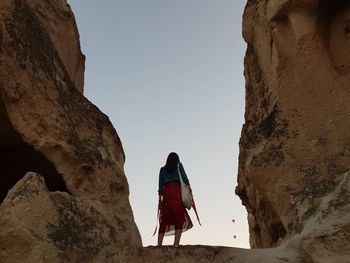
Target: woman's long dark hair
(171,162)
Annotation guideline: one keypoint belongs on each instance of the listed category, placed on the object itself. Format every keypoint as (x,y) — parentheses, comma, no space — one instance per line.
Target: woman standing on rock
(173,218)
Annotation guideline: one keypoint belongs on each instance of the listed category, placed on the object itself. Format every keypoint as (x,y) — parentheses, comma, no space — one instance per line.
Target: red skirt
(173,214)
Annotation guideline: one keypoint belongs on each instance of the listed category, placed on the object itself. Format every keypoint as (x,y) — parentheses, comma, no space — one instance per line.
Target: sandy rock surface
(47,126)
(42,226)
(294,150)
(63,192)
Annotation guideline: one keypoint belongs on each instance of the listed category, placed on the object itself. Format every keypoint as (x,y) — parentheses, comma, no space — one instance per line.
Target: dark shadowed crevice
(270,230)
(277,232)
(328,9)
(18,157)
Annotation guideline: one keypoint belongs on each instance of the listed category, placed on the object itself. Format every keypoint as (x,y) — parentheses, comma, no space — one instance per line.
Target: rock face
(63,192)
(294,165)
(47,126)
(42,226)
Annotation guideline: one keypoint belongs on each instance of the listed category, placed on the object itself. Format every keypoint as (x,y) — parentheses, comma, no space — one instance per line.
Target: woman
(173,218)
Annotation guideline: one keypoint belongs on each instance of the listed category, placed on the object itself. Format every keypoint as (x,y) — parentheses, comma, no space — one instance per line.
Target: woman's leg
(178,233)
(160,239)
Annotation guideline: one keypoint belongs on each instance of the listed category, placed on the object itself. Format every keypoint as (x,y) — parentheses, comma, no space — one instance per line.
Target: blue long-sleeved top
(165,177)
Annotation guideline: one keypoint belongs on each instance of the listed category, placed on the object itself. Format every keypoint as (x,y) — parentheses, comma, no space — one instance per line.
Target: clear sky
(169,74)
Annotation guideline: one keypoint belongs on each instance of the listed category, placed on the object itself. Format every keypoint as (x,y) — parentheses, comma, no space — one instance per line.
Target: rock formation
(63,192)
(294,166)
(47,126)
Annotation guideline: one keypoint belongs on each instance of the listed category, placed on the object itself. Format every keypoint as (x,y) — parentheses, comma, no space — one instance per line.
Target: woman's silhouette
(173,218)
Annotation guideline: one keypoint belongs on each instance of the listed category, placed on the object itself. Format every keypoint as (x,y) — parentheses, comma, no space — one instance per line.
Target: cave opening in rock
(328,9)
(18,157)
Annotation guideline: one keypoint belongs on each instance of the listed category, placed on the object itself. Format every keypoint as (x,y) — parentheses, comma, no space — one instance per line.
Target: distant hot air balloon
(233,221)
(234,236)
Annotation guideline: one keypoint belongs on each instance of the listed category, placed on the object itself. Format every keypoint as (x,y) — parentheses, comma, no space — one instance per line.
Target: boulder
(42,226)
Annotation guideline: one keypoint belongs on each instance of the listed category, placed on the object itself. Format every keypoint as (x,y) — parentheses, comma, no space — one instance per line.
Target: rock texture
(63,192)
(42,226)
(47,126)
(294,163)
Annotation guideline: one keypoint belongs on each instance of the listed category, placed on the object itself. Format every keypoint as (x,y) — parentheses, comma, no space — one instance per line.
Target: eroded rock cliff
(294,164)
(47,126)
(63,192)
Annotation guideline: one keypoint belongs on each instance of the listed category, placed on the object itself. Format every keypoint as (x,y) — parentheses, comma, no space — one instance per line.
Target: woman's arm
(184,175)
(160,186)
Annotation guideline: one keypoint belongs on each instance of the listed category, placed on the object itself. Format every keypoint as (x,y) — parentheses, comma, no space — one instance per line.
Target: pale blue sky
(169,74)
